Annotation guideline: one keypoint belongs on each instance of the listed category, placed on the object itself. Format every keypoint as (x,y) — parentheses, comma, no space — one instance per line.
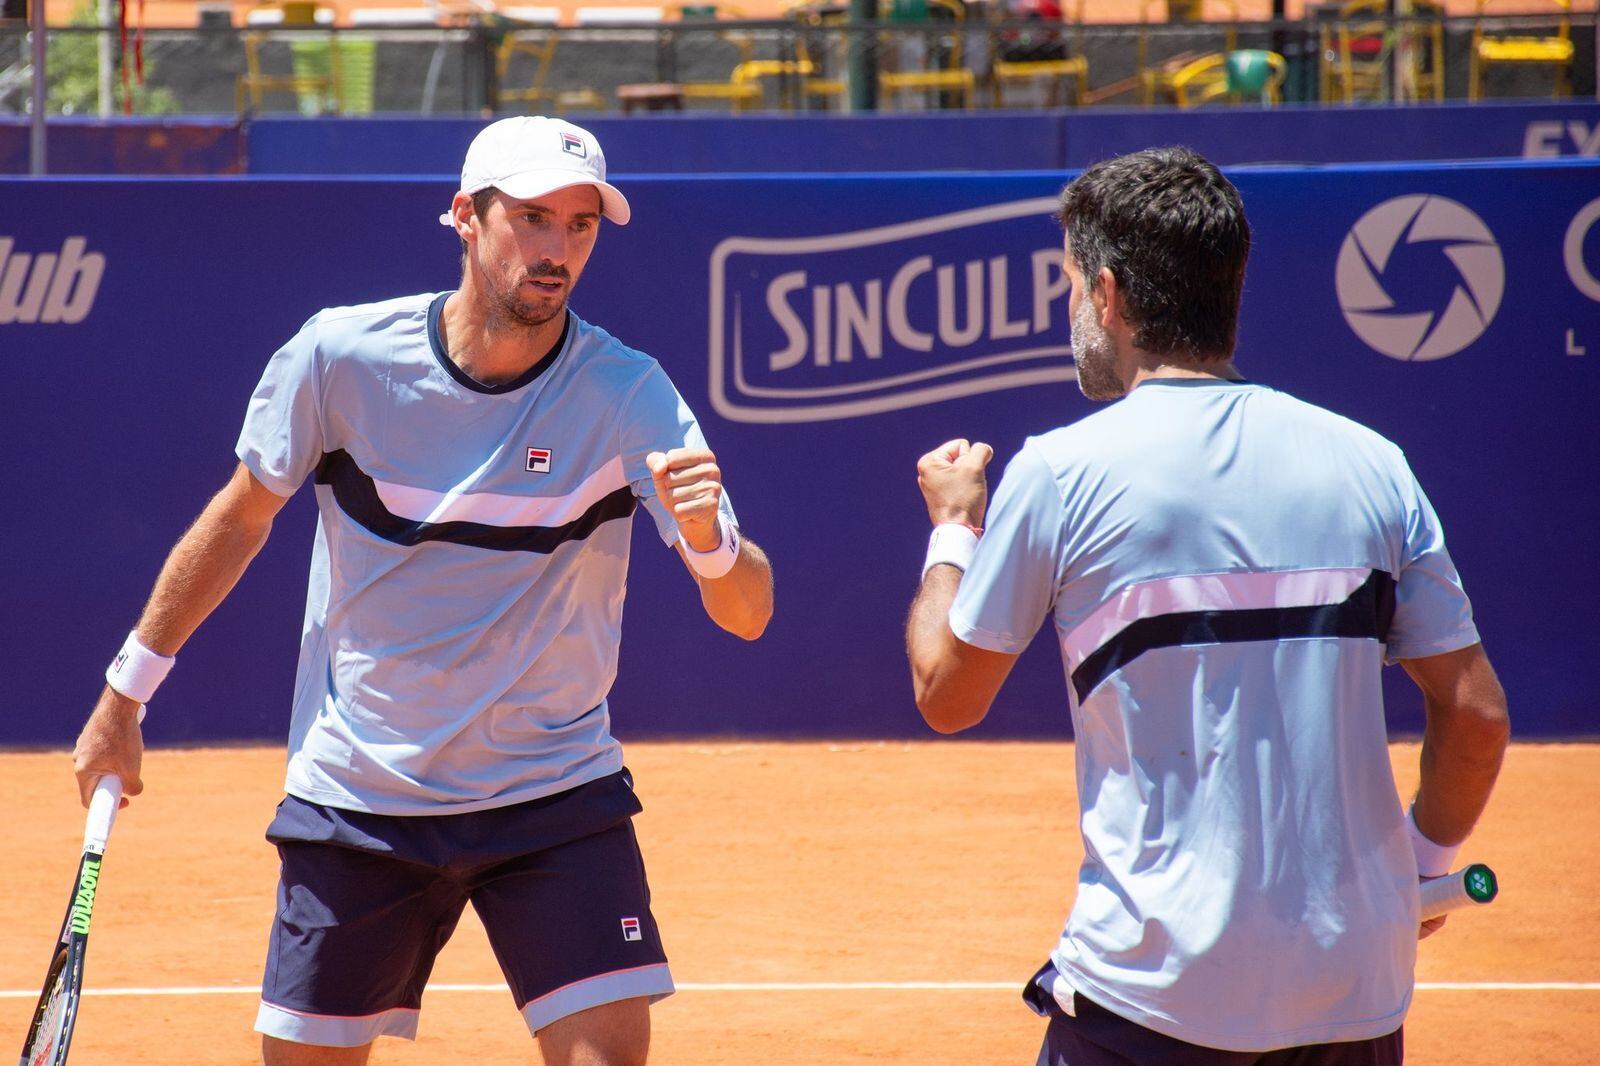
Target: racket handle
(102,812)
(1471,886)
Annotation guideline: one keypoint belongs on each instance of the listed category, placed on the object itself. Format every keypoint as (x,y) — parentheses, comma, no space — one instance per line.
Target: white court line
(814,986)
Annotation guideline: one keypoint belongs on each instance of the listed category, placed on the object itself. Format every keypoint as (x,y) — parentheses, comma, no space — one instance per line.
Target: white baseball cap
(531,156)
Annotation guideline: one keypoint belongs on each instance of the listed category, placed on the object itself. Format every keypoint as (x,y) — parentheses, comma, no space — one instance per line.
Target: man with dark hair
(1228,570)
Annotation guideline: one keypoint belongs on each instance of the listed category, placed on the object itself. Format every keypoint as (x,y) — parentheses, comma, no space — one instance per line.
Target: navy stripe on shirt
(358,497)
(1367,612)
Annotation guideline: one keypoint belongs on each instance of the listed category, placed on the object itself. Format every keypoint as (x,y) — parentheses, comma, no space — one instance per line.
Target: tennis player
(478,455)
(1228,569)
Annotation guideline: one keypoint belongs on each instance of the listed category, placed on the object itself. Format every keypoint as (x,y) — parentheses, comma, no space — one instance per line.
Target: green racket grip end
(1480,883)
(1471,886)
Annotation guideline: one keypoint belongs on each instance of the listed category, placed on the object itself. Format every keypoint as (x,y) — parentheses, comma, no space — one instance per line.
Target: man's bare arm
(688,483)
(202,569)
(955,682)
(1465,739)
(739,601)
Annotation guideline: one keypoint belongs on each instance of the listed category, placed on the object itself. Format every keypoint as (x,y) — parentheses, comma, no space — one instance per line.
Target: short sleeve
(1011,585)
(655,418)
(1432,614)
(281,441)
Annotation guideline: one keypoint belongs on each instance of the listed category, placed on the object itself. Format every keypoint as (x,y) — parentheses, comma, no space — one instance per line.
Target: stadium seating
(1490,49)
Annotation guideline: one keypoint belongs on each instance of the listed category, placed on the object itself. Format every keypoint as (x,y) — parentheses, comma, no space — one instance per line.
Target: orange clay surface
(771,863)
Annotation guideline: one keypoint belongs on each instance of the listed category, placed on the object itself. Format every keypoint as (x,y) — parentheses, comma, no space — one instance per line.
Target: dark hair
(480,203)
(1172,231)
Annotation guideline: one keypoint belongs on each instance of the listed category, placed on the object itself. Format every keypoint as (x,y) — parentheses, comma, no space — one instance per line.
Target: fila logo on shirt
(48,287)
(538,460)
(630,929)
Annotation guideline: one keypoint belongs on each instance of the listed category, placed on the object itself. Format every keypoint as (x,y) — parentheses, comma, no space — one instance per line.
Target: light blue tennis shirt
(1227,568)
(471,556)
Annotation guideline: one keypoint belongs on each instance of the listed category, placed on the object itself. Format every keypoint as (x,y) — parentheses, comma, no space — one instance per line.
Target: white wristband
(719,560)
(137,671)
(1433,860)
(953,543)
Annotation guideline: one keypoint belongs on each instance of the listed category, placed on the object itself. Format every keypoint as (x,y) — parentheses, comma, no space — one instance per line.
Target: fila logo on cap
(630,929)
(572,144)
(538,460)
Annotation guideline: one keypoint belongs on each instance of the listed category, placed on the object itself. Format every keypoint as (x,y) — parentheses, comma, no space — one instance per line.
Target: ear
(1108,298)
(461,214)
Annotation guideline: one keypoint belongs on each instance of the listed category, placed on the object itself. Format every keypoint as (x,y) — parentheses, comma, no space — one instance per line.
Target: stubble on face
(1094,355)
(516,308)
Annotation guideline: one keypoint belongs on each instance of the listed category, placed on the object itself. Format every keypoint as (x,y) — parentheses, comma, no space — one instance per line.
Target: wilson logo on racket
(806,329)
(83,902)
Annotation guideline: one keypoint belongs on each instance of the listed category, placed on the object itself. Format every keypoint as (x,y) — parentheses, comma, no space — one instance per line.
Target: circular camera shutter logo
(1397,326)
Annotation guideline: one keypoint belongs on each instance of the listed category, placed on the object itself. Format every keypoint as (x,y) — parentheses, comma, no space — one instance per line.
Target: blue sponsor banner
(712,144)
(679,143)
(987,141)
(828,330)
(809,329)
(1352,134)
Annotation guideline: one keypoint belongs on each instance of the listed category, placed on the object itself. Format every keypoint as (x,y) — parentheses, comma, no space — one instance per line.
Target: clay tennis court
(779,869)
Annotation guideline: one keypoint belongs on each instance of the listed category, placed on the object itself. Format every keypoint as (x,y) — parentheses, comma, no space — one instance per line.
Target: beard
(1094,355)
(513,309)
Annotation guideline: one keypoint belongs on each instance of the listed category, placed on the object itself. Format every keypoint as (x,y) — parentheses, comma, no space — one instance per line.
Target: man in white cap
(478,456)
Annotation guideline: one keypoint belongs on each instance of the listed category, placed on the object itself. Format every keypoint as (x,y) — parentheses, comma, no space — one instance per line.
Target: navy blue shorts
(1095,1036)
(365,902)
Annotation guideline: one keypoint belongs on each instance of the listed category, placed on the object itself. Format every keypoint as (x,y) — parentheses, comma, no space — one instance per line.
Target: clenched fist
(689,483)
(953,482)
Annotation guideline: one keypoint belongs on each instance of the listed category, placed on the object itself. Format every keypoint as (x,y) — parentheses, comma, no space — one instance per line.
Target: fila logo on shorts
(572,144)
(630,929)
(538,460)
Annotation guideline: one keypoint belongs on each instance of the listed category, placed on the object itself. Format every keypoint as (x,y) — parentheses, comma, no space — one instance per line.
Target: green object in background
(357,67)
(861,60)
(1249,72)
(358,64)
(697,11)
(908,10)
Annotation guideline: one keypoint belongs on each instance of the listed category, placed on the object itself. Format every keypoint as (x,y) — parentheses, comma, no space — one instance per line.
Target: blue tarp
(127,146)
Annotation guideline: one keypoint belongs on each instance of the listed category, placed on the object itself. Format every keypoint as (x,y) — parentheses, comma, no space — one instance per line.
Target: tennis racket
(57,1011)
(1471,886)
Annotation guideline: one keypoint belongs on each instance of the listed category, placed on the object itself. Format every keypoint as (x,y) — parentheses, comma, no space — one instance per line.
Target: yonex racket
(57,1011)
(1471,886)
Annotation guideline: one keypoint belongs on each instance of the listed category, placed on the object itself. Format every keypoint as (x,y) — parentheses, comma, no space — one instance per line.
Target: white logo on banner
(1365,291)
(1546,140)
(806,329)
(1572,250)
(49,287)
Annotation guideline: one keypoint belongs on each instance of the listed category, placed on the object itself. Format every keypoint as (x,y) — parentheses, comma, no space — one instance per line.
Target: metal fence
(819,63)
